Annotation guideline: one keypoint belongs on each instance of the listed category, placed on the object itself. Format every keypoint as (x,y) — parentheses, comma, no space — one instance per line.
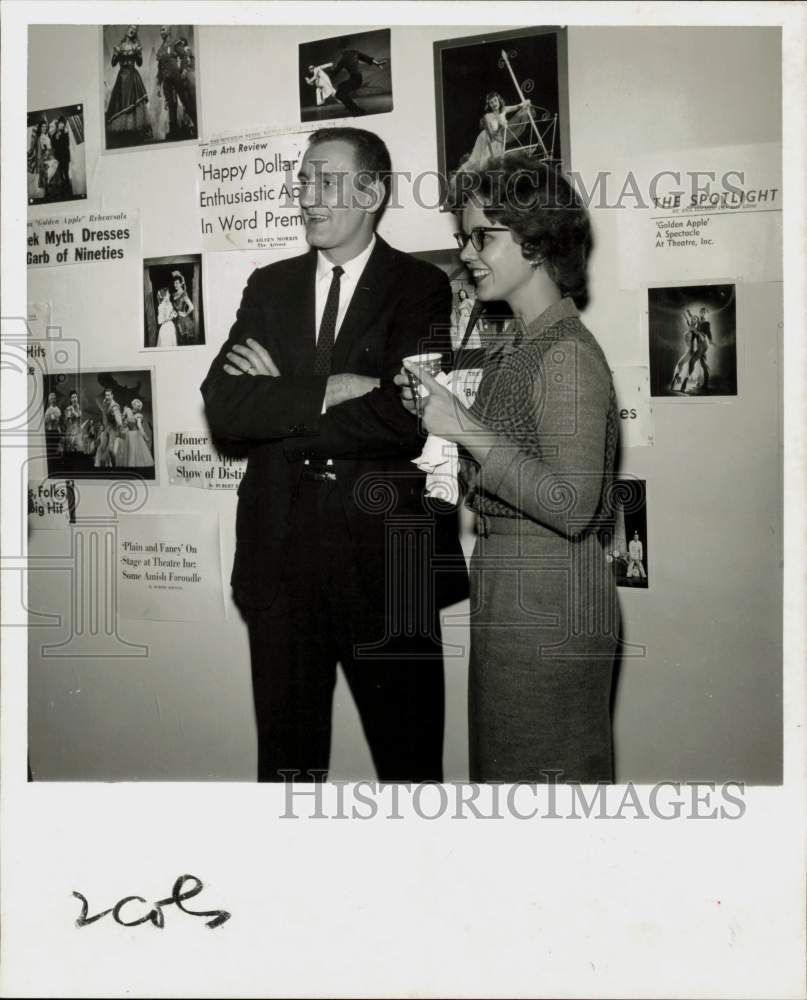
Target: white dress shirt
(347,284)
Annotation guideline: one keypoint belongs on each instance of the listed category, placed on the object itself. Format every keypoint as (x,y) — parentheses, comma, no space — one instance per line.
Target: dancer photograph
(173,302)
(321,82)
(692,332)
(149,85)
(538,452)
(347,76)
(492,138)
(55,155)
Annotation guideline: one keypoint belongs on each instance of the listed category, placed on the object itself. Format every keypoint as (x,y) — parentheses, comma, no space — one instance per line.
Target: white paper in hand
(440,457)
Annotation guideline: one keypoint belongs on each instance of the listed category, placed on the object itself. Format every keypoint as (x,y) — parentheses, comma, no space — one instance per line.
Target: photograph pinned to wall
(501,93)
(469,319)
(628,556)
(346,76)
(56,155)
(148,75)
(692,333)
(100,424)
(173,309)
(463,298)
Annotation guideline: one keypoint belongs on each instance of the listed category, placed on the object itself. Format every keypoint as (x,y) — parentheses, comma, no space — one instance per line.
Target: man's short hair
(370,150)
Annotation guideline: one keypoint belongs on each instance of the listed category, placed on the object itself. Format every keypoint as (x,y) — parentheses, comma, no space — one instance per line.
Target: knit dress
(544,613)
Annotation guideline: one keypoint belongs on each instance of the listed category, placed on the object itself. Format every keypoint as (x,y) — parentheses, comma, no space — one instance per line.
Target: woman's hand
(442,413)
(250,359)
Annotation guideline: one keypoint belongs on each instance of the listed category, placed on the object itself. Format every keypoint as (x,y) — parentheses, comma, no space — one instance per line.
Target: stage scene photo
(99,425)
(56,169)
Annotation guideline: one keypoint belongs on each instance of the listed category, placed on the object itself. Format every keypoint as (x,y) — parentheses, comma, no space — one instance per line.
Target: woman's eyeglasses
(477,236)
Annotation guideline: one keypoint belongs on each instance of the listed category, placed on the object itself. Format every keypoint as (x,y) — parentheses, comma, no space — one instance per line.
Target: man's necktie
(327,328)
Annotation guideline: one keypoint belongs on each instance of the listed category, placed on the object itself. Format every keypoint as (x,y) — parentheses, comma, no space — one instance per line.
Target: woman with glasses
(540,442)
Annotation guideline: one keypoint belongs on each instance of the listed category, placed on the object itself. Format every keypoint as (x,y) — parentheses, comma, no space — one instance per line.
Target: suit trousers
(325,613)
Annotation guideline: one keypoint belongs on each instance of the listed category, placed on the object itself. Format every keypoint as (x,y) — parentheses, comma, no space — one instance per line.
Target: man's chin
(317,239)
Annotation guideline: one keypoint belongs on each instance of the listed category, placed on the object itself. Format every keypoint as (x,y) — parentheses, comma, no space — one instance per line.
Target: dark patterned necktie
(327,328)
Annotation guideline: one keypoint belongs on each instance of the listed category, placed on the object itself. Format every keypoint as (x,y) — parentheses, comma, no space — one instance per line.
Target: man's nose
(308,195)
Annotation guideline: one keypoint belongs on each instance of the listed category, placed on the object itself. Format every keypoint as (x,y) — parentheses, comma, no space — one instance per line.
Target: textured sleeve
(550,461)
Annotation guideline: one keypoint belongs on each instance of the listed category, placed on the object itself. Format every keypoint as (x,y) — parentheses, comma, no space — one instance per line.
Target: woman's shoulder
(566,341)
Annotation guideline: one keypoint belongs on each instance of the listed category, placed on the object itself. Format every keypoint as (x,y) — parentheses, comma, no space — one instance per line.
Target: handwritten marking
(155,915)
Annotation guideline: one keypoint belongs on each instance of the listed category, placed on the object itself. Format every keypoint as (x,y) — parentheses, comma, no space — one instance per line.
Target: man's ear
(369,192)
(377,192)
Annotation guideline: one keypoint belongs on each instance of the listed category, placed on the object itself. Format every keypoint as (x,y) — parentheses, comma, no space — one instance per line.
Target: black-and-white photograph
(629,558)
(149,84)
(173,303)
(99,424)
(693,340)
(500,93)
(346,76)
(56,160)
(410,536)
(466,321)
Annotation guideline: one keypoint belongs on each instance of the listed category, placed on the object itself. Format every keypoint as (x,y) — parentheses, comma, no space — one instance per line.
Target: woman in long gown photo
(491,140)
(185,324)
(166,314)
(539,449)
(127,114)
(74,426)
(462,314)
(137,450)
(42,164)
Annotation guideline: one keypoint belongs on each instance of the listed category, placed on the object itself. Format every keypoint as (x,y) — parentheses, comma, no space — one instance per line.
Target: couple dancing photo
(692,333)
(345,77)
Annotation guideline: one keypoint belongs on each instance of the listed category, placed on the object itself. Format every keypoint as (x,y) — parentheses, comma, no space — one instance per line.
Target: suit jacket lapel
(296,317)
(371,289)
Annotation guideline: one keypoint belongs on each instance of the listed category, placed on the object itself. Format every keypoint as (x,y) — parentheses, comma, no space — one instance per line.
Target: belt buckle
(318,475)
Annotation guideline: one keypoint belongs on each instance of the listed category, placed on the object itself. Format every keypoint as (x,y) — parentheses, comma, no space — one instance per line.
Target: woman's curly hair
(544,212)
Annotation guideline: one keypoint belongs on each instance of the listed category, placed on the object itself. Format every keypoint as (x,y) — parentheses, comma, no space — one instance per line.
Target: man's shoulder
(416,267)
(281,270)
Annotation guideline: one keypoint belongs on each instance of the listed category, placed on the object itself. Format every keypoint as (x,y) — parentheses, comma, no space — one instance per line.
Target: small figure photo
(628,555)
(693,340)
(56,162)
(347,76)
(173,302)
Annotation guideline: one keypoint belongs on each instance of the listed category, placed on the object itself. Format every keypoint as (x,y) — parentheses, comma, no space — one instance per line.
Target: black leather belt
(318,473)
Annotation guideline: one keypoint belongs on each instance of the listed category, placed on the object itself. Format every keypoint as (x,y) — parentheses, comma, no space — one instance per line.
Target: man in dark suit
(168,77)
(339,557)
(348,62)
(61,150)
